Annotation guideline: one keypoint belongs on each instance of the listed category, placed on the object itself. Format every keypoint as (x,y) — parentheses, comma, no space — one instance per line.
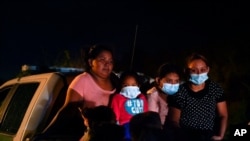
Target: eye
(203,70)
(103,60)
(168,81)
(100,60)
(192,71)
(124,85)
(110,61)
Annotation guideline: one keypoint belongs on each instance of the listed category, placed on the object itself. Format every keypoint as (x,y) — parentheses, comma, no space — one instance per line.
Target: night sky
(36,32)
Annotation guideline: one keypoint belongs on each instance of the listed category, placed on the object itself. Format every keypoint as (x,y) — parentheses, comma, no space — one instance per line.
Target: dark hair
(129,73)
(102,124)
(167,68)
(107,132)
(94,51)
(98,115)
(144,121)
(196,56)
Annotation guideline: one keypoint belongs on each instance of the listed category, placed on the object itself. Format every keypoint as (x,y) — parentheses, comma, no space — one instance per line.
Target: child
(146,127)
(130,101)
(167,83)
(101,125)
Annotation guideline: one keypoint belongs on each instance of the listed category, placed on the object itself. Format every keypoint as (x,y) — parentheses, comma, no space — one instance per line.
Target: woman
(166,83)
(94,87)
(195,106)
(90,89)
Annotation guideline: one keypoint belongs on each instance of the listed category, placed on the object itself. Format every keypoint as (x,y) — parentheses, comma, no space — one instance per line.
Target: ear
(208,69)
(90,62)
(157,80)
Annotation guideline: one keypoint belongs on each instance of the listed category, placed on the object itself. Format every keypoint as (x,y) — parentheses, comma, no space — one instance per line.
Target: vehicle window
(21,99)
(3,94)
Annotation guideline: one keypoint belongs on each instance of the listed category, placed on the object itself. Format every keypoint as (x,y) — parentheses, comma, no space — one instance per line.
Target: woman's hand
(217,138)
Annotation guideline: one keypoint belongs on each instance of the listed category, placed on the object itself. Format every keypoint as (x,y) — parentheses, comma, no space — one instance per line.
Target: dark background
(39,32)
(56,33)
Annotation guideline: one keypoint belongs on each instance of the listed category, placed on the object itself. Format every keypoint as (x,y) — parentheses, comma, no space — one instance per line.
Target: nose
(108,63)
(199,72)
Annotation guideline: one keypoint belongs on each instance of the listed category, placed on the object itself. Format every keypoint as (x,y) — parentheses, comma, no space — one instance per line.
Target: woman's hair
(94,51)
(196,56)
(167,68)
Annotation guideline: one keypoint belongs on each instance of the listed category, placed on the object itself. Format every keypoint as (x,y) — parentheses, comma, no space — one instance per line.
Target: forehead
(105,53)
(197,63)
(129,80)
(171,75)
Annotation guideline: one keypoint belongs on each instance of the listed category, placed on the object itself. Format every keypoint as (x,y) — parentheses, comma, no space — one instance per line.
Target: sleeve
(153,102)
(220,95)
(145,102)
(78,84)
(116,107)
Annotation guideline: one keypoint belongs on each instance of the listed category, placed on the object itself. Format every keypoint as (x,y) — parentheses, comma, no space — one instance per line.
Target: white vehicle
(28,104)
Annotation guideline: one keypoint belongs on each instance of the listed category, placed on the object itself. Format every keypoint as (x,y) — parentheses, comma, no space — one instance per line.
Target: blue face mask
(130,91)
(170,89)
(198,78)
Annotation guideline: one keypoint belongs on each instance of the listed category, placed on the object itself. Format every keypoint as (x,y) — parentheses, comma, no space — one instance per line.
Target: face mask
(170,89)
(198,78)
(130,91)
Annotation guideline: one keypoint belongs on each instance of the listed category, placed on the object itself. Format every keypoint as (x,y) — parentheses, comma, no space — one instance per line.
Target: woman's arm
(72,96)
(73,101)
(223,115)
(173,117)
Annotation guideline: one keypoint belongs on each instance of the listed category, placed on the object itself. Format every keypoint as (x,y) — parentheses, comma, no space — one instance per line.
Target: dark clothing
(194,135)
(198,110)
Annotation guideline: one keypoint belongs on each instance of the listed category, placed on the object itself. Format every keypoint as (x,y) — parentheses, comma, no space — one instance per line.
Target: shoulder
(82,76)
(117,96)
(81,80)
(152,91)
(152,94)
(214,85)
(216,90)
(142,95)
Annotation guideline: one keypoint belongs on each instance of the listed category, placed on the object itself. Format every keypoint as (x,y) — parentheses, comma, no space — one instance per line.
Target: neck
(104,83)
(197,88)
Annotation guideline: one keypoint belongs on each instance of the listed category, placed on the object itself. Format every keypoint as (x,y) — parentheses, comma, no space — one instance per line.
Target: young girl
(167,83)
(130,101)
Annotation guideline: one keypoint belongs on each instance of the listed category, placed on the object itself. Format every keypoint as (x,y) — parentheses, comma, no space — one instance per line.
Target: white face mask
(198,78)
(130,91)
(170,89)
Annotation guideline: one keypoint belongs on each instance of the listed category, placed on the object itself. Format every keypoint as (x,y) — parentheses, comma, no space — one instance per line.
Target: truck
(29,103)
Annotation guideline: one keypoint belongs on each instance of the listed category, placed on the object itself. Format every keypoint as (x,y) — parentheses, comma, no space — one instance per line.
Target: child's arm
(145,103)
(116,107)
